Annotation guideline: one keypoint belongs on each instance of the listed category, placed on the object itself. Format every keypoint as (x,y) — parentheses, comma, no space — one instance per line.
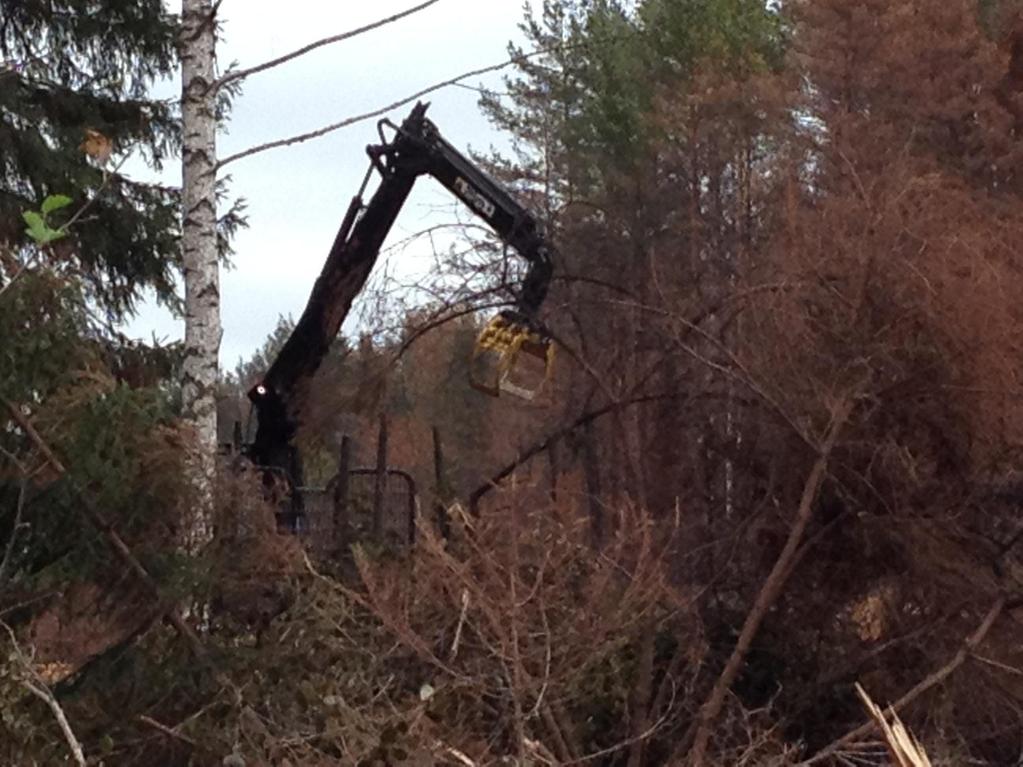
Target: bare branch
(514,59)
(22,269)
(19,511)
(935,678)
(36,685)
(640,738)
(769,592)
(543,444)
(123,551)
(368,115)
(442,317)
(168,731)
(241,74)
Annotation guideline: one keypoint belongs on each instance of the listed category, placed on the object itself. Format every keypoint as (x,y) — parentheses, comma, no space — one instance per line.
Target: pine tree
(642,125)
(918,77)
(580,110)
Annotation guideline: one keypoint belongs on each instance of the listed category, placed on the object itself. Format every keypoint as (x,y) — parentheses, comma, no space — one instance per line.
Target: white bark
(199,252)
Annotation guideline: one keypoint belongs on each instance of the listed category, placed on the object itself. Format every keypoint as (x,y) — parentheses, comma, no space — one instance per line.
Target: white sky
(297,195)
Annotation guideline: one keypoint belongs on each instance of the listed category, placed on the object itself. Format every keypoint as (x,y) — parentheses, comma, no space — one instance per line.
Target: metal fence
(335,517)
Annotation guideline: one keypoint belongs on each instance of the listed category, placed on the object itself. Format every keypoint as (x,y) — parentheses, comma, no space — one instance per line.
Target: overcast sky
(297,195)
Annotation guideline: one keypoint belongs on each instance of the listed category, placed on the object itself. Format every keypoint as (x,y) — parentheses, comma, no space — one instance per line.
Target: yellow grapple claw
(511,356)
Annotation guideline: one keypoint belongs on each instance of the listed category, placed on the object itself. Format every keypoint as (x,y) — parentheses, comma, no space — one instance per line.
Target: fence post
(412,494)
(380,484)
(341,525)
(440,488)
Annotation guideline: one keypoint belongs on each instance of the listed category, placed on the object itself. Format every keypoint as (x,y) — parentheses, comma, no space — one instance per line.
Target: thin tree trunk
(769,593)
(199,253)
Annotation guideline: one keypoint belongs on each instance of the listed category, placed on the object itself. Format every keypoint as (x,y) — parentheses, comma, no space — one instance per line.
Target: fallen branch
(117,543)
(461,622)
(935,678)
(769,593)
(44,694)
(36,685)
(168,731)
(905,750)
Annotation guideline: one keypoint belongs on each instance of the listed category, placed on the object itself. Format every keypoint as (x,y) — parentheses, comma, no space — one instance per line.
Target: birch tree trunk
(199,252)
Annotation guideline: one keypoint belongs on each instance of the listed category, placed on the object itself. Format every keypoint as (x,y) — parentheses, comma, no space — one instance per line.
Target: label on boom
(474,197)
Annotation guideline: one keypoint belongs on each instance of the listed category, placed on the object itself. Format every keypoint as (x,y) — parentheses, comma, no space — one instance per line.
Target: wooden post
(380,485)
(341,522)
(412,494)
(440,487)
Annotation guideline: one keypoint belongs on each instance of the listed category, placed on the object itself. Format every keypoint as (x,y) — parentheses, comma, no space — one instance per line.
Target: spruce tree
(72,74)
(72,66)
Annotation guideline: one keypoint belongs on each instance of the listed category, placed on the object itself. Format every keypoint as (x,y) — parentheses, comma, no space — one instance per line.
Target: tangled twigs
(35,684)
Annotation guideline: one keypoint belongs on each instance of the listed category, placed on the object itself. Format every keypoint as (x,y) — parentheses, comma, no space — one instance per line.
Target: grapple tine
(504,344)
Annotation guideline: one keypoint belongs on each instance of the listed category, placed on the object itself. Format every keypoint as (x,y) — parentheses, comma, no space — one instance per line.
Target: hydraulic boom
(416,149)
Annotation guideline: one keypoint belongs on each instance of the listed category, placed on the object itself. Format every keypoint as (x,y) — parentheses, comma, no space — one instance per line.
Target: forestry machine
(513,354)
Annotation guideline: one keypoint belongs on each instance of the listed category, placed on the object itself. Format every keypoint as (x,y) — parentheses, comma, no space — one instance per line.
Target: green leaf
(34,220)
(38,230)
(55,202)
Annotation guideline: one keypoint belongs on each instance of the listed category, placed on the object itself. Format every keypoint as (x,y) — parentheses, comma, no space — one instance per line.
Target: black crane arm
(511,221)
(417,149)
